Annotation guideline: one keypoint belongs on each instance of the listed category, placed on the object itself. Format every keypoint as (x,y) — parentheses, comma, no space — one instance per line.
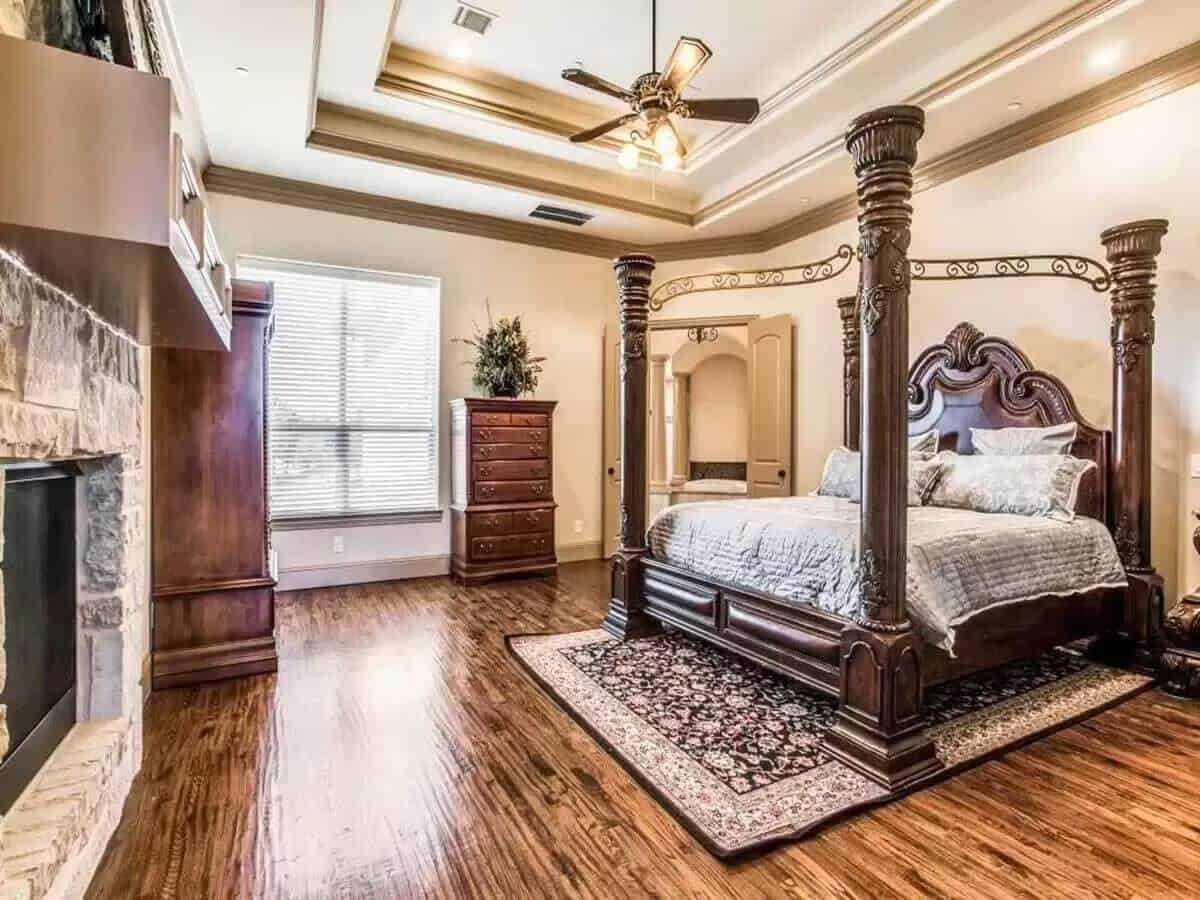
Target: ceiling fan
(656,96)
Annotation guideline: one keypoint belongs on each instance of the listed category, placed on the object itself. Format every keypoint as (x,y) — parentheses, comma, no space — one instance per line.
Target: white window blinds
(353,391)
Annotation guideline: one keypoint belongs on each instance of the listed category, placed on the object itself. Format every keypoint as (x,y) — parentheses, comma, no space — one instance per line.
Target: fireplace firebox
(39,599)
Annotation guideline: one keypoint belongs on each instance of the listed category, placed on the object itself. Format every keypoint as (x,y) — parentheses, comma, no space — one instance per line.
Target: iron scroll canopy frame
(1043,265)
(805,273)
(1046,265)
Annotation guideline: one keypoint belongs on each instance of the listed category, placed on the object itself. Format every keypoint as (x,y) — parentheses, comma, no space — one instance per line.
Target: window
(353,392)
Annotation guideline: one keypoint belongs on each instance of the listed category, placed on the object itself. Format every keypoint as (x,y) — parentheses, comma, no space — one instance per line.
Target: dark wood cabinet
(214,584)
(502,514)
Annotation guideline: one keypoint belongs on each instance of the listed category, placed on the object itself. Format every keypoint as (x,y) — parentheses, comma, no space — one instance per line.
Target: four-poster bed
(874,660)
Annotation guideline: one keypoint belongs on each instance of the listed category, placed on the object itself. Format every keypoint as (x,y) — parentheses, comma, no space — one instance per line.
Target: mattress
(960,562)
(713,486)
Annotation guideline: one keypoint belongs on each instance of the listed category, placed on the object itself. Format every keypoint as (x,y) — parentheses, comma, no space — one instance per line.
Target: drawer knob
(531,518)
(484,434)
(485,452)
(493,522)
(486,546)
(539,489)
(534,450)
(487,491)
(485,471)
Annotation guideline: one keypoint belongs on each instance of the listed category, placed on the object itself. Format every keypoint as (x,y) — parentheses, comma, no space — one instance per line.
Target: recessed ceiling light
(805,199)
(1105,57)
(242,71)
(460,50)
(1015,105)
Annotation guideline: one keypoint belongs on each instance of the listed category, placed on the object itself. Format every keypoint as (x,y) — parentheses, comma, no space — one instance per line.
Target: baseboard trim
(302,578)
(213,662)
(579,551)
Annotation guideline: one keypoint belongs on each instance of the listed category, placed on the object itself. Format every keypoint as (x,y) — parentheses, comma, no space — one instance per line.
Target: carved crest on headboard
(961,340)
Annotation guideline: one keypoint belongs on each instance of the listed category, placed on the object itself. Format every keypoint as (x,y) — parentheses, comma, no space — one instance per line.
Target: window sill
(308,523)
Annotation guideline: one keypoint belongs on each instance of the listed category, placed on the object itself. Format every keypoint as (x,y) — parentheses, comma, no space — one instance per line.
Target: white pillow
(842,476)
(1044,485)
(1024,441)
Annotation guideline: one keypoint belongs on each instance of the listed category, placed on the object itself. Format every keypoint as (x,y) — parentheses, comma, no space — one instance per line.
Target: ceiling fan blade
(685,61)
(588,80)
(742,110)
(592,133)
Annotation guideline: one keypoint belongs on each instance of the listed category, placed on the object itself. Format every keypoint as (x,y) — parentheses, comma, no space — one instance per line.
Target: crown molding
(867,42)
(1079,18)
(308,195)
(1176,70)
(412,75)
(352,132)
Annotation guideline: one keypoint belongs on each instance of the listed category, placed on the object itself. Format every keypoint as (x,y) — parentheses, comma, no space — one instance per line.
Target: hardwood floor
(400,752)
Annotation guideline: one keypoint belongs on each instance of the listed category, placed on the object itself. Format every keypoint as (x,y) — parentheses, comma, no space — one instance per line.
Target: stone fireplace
(71,389)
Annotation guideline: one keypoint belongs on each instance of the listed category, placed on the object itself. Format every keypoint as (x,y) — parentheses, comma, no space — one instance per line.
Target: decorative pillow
(924,444)
(843,476)
(1024,441)
(1045,485)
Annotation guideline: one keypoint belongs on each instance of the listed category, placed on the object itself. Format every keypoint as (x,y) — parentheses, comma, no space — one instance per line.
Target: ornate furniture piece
(1180,664)
(874,662)
(214,584)
(502,510)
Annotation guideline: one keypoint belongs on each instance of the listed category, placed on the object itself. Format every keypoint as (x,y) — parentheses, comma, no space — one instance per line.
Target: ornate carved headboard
(973,381)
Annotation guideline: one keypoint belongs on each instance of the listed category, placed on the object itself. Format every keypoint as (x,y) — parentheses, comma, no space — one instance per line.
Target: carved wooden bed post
(1132,255)
(852,398)
(880,728)
(626,609)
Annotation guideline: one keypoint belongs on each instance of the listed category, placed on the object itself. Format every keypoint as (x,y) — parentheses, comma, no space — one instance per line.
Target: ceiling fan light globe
(628,157)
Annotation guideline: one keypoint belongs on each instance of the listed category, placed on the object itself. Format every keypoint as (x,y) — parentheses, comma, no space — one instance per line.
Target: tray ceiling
(379,100)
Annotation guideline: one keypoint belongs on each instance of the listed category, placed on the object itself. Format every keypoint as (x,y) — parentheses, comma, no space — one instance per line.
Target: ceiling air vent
(473,18)
(558,214)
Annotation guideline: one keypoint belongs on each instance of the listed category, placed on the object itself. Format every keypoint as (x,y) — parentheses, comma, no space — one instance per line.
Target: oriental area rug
(735,752)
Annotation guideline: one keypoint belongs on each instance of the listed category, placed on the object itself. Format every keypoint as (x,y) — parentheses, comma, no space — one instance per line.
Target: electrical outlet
(339,544)
(1196,465)
(579,526)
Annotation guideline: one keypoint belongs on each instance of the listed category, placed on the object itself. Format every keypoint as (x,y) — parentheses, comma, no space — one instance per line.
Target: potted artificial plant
(503,366)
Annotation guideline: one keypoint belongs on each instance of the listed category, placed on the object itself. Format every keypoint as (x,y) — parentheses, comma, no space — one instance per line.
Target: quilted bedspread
(960,562)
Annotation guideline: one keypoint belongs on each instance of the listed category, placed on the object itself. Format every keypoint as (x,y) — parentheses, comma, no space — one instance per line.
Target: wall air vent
(558,214)
(473,18)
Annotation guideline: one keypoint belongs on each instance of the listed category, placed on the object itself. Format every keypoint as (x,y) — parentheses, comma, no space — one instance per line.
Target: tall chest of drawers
(502,509)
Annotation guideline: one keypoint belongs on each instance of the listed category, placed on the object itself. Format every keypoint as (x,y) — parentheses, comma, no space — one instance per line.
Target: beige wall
(563,300)
(717,413)
(1054,198)
(1058,197)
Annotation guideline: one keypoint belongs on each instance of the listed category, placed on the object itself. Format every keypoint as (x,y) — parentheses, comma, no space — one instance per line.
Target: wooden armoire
(213,568)
(502,497)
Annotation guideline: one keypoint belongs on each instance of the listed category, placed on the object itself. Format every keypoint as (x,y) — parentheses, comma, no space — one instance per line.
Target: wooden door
(769,406)
(612,439)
